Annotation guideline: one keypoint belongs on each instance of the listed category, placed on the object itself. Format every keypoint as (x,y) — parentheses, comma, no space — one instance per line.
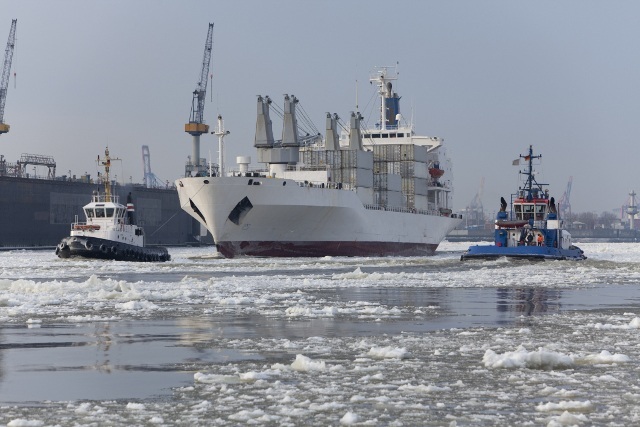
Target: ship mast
(220,133)
(383,79)
(107,165)
(530,180)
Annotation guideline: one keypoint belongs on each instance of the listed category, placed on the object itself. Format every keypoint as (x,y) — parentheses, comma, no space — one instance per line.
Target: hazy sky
(490,77)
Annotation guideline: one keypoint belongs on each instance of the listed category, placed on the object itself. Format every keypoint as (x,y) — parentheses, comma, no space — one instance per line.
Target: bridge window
(527,211)
(540,210)
(99,213)
(110,212)
(90,213)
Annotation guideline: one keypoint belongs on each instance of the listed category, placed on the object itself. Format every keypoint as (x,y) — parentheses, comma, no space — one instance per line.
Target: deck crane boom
(196,125)
(6,73)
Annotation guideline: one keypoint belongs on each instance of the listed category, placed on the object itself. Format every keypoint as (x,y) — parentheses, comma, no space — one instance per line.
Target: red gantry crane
(6,73)
(196,125)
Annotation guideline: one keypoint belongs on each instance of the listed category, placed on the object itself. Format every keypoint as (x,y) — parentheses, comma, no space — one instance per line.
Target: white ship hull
(278,217)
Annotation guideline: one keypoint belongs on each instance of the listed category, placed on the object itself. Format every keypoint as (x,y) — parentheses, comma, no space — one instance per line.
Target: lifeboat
(436,172)
(86,227)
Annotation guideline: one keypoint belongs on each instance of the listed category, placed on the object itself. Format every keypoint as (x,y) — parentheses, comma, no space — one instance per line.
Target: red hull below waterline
(320,249)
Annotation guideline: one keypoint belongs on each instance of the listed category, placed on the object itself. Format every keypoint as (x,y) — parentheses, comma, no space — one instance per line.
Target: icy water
(323,341)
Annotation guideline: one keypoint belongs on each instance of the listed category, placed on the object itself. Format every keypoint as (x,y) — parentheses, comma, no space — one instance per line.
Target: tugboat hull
(523,252)
(93,247)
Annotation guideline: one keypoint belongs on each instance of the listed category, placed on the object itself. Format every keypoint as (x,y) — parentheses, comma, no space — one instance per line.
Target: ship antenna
(356,94)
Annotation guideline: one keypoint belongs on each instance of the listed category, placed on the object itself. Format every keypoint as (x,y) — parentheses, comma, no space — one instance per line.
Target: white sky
(490,77)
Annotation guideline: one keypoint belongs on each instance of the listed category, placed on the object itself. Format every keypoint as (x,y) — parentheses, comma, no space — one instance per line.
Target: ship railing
(249,173)
(103,198)
(402,210)
(328,185)
(308,167)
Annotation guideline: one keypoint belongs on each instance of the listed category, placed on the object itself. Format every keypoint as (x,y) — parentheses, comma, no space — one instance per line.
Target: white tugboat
(109,231)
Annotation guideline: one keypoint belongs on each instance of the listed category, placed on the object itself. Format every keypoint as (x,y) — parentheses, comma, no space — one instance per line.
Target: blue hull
(523,252)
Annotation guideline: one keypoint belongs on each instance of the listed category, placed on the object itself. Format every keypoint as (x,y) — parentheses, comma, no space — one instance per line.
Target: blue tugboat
(532,230)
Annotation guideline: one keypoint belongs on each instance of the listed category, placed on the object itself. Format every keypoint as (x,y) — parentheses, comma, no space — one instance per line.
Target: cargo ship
(35,211)
(370,191)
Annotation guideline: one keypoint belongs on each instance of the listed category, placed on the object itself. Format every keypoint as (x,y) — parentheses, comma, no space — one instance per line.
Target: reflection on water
(139,358)
(529,301)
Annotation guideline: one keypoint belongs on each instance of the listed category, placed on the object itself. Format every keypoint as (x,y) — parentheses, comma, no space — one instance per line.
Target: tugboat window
(99,213)
(528,211)
(110,212)
(89,213)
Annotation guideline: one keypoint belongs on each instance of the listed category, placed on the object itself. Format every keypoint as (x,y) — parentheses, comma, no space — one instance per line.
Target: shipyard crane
(150,178)
(6,72)
(563,204)
(196,125)
(475,211)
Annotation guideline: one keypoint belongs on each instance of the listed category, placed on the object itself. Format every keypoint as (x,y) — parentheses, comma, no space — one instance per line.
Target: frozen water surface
(323,341)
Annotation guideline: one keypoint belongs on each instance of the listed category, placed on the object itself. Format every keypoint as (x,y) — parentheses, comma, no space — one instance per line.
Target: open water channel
(324,341)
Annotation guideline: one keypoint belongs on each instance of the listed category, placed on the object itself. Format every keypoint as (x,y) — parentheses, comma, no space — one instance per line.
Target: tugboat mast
(107,165)
(530,180)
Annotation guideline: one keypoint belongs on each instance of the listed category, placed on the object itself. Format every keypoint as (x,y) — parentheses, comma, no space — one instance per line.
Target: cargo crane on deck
(196,125)
(6,73)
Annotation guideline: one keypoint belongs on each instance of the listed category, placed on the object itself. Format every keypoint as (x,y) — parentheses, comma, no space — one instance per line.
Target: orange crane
(6,73)
(196,125)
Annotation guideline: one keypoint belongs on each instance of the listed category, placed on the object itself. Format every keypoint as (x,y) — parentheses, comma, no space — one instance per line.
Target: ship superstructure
(369,191)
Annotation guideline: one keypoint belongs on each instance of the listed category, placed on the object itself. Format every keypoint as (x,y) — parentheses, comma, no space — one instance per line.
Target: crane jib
(199,94)
(6,67)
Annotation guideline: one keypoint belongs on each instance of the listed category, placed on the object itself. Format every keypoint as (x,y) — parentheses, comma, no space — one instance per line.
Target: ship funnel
(331,134)
(290,126)
(355,137)
(391,109)
(130,209)
(264,131)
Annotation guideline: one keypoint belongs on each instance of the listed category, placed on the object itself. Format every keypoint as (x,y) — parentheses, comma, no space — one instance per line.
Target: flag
(516,162)
(527,158)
